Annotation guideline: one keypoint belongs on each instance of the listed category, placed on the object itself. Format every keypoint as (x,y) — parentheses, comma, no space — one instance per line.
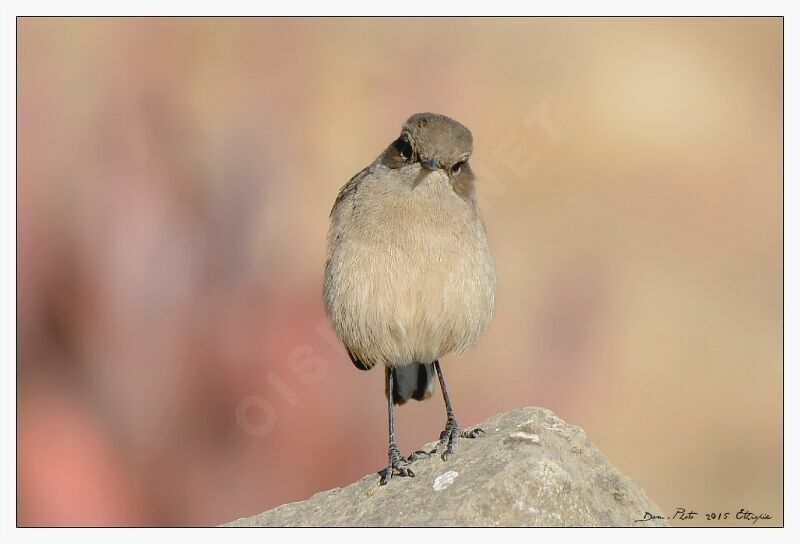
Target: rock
(530,469)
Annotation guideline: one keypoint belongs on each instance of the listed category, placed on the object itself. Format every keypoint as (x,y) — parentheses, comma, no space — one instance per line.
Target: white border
(10,9)
(406,8)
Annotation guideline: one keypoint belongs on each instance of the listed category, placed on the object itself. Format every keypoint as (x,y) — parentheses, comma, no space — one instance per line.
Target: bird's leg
(451,432)
(398,465)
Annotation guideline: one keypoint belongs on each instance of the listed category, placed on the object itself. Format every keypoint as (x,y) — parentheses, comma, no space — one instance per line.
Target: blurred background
(175,366)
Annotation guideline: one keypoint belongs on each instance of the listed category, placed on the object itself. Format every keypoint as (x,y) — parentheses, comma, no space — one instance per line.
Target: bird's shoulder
(349,190)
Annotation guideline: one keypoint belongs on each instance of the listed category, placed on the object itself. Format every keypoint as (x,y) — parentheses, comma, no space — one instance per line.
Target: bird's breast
(412,277)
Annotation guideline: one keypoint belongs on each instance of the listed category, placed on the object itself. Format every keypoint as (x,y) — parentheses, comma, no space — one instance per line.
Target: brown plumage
(409,277)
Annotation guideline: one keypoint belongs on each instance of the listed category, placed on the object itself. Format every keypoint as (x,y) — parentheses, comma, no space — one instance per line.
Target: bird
(409,277)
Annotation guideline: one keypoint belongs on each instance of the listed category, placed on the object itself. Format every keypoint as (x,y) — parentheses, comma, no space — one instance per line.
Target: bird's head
(435,143)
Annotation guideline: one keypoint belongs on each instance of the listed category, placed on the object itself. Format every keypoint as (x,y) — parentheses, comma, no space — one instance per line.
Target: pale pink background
(175,179)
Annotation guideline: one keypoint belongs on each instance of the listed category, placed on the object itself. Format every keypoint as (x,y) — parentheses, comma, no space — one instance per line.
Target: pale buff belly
(413,279)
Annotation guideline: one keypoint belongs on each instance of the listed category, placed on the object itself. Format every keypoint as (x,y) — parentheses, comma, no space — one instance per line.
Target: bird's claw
(474,433)
(398,466)
(448,439)
(419,454)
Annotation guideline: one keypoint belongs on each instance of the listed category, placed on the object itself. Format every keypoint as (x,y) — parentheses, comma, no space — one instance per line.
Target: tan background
(175,178)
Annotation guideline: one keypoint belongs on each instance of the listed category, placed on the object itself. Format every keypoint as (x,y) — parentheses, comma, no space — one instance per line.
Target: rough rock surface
(531,469)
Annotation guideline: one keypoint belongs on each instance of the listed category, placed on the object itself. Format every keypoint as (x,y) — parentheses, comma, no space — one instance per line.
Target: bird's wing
(359,364)
(340,213)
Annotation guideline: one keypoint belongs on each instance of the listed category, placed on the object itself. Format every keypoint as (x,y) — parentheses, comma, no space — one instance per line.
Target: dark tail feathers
(414,381)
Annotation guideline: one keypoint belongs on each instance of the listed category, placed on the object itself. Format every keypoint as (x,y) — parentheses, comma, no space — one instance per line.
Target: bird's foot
(398,465)
(448,440)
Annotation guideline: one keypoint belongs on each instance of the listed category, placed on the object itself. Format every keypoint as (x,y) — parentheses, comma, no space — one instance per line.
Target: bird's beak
(431,164)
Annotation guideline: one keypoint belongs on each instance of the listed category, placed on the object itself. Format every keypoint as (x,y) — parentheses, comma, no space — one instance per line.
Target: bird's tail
(414,381)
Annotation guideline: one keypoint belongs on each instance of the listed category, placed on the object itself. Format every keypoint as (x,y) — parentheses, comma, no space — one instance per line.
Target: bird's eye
(457,167)
(404,148)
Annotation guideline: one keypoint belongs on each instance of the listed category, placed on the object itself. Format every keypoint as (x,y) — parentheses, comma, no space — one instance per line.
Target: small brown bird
(409,277)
